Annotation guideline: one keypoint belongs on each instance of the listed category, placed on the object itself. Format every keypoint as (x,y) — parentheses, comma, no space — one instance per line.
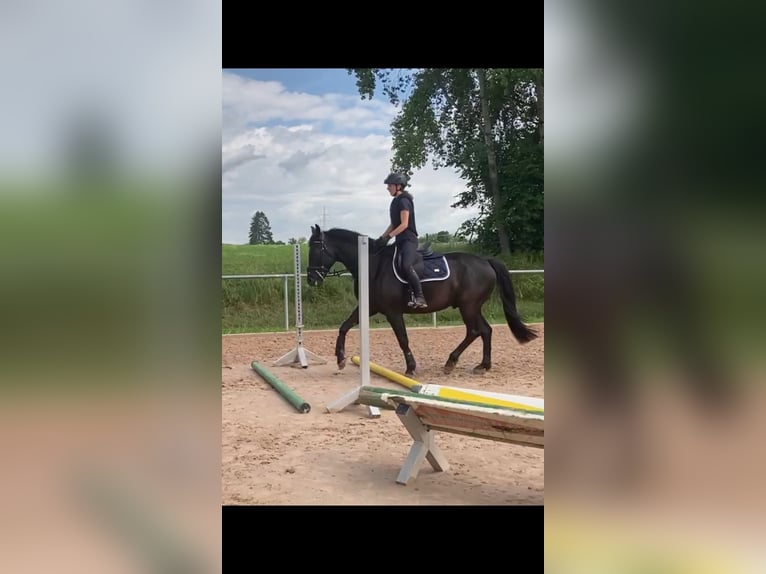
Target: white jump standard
(364,333)
(299,354)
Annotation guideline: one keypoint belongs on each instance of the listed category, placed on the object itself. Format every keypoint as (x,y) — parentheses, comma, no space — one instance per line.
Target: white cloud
(247,101)
(238,156)
(295,173)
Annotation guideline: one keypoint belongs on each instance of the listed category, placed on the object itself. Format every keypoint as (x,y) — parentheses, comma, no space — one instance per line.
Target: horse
(459,280)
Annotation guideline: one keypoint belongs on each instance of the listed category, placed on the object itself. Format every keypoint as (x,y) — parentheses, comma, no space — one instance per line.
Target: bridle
(321,270)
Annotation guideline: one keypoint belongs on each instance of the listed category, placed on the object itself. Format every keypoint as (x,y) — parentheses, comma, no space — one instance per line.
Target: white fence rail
(286,276)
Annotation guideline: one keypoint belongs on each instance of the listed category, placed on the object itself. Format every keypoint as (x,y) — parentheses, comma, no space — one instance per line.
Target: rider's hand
(380,242)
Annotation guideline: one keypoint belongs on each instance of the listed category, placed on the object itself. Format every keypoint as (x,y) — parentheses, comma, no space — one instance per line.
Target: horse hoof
(341,364)
(479,370)
(409,373)
(448,369)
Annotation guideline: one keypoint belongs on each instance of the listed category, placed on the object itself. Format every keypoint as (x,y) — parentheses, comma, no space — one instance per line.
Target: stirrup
(413,302)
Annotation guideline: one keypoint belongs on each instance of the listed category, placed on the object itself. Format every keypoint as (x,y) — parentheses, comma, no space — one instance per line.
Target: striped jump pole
(485,398)
(389,374)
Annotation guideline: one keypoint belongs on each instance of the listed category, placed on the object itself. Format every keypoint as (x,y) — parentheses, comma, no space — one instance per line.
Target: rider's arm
(405,218)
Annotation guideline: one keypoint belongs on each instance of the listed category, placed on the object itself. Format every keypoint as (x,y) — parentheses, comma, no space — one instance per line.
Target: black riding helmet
(396,179)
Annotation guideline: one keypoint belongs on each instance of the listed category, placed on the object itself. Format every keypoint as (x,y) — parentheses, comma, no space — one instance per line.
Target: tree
(486,123)
(260,230)
(442,237)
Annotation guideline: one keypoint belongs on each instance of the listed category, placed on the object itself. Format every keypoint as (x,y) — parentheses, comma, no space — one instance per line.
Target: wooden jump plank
(422,416)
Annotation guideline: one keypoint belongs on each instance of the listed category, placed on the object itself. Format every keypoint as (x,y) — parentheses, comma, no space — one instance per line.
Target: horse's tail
(522,333)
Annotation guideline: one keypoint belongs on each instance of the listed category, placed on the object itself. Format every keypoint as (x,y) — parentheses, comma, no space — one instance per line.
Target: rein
(337,273)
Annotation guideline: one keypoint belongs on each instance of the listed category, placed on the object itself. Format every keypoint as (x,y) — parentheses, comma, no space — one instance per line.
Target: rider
(403,229)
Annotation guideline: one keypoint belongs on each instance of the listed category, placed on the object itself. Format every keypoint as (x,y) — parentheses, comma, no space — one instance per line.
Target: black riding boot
(414,281)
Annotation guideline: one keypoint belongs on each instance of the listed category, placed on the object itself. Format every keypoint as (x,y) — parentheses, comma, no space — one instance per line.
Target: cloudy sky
(301,146)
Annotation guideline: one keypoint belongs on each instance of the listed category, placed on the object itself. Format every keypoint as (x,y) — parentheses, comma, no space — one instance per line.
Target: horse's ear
(314,229)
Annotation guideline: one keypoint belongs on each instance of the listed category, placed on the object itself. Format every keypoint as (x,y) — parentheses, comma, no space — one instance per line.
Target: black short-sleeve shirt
(399,204)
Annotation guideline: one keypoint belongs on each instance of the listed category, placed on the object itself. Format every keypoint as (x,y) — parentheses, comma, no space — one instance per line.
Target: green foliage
(441,118)
(260,230)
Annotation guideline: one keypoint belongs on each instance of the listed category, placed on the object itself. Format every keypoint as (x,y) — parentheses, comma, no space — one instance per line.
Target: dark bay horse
(469,283)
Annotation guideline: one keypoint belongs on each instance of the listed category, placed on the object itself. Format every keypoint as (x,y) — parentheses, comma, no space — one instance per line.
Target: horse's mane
(344,235)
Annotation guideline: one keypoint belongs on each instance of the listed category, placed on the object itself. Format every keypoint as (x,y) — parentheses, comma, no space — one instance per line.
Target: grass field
(258,305)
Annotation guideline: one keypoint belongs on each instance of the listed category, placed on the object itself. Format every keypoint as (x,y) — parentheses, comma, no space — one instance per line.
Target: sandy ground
(274,455)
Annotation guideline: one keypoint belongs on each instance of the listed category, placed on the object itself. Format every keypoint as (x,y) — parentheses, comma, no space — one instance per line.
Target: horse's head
(321,259)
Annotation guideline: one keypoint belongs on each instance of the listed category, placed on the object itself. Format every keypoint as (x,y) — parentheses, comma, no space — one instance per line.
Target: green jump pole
(284,390)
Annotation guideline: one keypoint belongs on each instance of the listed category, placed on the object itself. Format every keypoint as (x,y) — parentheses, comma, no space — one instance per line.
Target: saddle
(425,250)
(429,266)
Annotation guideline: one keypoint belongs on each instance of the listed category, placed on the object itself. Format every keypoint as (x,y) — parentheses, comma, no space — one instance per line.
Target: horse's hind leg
(397,323)
(470,318)
(485,330)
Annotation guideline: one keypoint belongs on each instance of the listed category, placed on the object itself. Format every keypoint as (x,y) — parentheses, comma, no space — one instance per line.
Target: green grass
(258,305)
(260,259)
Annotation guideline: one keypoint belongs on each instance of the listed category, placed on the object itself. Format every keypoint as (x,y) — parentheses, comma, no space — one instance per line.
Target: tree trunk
(494,186)
(540,103)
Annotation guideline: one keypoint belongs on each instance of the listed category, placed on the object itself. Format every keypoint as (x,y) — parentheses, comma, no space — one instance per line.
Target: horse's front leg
(397,323)
(340,343)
